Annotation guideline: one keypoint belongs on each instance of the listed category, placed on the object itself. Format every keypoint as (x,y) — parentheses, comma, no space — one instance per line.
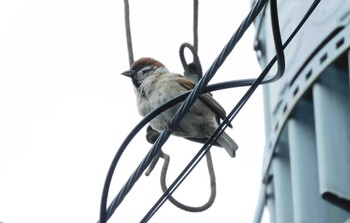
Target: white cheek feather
(143,104)
(160,70)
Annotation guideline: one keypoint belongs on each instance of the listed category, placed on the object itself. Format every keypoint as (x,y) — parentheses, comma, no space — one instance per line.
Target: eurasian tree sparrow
(154,85)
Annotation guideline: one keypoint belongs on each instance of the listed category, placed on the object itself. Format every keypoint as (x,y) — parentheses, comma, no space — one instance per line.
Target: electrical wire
(230,116)
(105,214)
(268,79)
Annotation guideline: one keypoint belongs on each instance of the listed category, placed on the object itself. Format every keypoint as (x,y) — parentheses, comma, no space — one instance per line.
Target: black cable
(217,64)
(273,78)
(277,39)
(234,112)
(104,214)
(228,119)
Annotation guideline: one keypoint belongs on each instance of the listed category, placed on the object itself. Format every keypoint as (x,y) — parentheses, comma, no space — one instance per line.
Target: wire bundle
(189,98)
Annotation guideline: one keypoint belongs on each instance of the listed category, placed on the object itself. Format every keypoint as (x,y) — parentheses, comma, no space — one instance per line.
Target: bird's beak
(129,73)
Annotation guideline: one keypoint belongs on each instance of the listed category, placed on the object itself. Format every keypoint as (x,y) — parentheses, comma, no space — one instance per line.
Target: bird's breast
(156,91)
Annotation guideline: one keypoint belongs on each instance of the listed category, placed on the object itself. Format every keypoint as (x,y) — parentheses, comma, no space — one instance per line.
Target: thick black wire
(307,14)
(193,163)
(273,78)
(276,33)
(209,88)
(106,214)
(197,158)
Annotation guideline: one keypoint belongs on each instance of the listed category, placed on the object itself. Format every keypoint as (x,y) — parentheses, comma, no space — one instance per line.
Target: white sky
(65,109)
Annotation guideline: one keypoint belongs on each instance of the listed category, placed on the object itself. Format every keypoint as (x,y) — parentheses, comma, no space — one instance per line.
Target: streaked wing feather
(207,98)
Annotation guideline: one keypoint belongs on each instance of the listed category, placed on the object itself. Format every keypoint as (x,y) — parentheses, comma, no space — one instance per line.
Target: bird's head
(144,68)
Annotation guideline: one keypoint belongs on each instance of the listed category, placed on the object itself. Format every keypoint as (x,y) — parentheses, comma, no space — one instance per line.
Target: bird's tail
(228,143)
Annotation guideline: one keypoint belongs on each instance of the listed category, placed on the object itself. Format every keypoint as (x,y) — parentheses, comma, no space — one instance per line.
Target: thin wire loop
(192,70)
(180,205)
(193,48)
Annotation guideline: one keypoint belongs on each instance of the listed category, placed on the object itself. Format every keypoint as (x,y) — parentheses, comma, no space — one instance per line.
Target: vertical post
(308,205)
(332,120)
(282,181)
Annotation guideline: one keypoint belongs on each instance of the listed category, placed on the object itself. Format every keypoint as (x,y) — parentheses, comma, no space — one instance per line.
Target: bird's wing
(206,98)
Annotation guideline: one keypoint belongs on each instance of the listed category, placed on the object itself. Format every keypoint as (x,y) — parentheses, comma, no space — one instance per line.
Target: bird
(154,85)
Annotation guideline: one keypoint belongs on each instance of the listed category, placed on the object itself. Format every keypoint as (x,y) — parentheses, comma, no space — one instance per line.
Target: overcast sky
(65,109)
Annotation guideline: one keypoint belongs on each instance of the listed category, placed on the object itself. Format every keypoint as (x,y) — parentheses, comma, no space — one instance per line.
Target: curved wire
(195,73)
(217,63)
(180,205)
(106,214)
(272,78)
(193,163)
(277,39)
